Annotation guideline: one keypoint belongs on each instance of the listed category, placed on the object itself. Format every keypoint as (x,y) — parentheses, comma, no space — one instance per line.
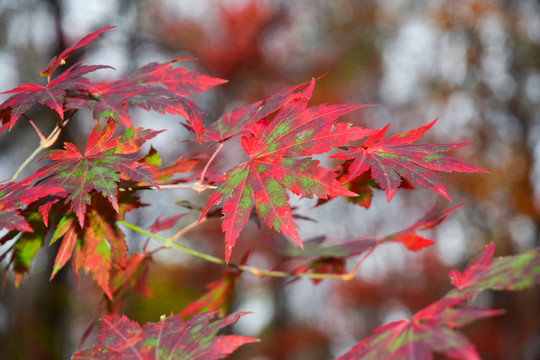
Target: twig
(144,186)
(201,179)
(169,242)
(43,143)
(187,228)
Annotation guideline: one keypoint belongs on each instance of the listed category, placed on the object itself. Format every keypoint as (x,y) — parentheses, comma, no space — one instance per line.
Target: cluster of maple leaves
(79,197)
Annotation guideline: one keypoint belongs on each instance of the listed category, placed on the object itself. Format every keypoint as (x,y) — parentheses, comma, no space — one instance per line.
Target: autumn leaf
(218,298)
(128,274)
(506,273)
(53,95)
(279,150)
(396,157)
(159,87)
(433,329)
(27,246)
(162,224)
(100,245)
(239,121)
(105,162)
(409,237)
(67,229)
(60,59)
(15,195)
(171,338)
(164,174)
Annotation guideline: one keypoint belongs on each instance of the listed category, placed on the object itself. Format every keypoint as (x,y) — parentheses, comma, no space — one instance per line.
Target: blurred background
(475,64)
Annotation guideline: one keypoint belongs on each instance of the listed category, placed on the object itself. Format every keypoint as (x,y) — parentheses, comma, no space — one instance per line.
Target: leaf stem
(201,179)
(169,242)
(43,143)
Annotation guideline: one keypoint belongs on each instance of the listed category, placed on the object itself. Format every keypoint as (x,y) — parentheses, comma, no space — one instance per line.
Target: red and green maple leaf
(14,195)
(155,86)
(104,163)
(433,329)
(96,247)
(396,157)
(26,246)
(240,120)
(171,338)
(506,273)
(279,150)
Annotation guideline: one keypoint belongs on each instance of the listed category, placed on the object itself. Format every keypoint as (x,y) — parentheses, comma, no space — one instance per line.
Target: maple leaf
(26,245)
(432,329)
(14,195)
(407,237)
(52,95)
(61,59)
(278,149)
(163,175)
(160,87)
(240,120)
(171,338)
(100,247)
(506,273)
(396,157)
(164,224)
(66,228)
(128,274)
(218,298)
(95,247)
(105,162)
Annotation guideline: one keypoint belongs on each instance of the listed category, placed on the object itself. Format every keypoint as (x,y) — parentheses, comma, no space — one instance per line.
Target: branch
(169,242)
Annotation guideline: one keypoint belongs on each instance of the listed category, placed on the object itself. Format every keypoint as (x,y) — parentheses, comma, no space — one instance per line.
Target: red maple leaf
(61,59)
(14,195)
(159,87)
(396,157)
(104,163)
(240,120)
(217,298)
(279,150)
(52,95)
(170,338)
